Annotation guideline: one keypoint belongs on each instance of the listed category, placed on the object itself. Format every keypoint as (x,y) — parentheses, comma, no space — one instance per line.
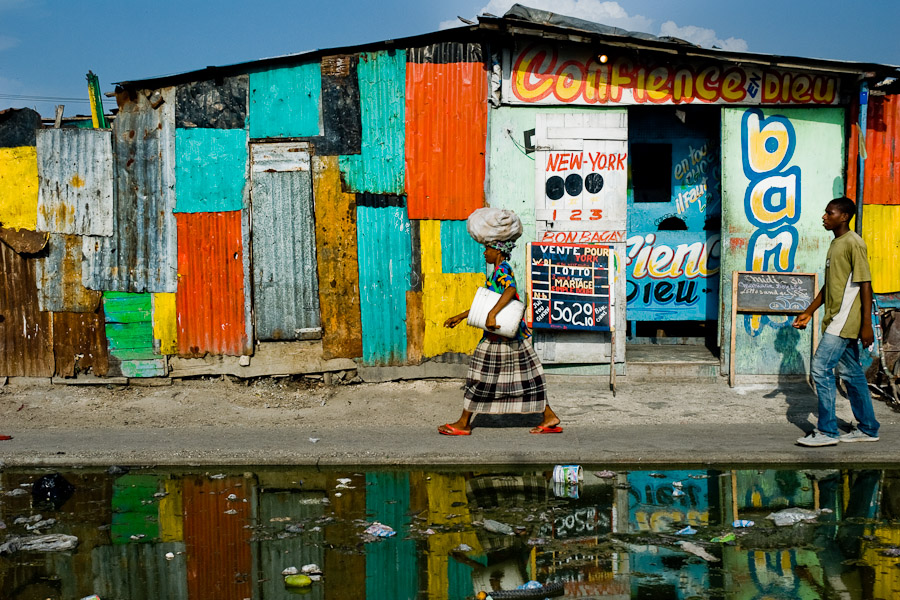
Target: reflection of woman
(505,375)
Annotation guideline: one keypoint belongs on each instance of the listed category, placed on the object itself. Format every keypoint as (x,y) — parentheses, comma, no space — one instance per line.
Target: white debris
(697,551)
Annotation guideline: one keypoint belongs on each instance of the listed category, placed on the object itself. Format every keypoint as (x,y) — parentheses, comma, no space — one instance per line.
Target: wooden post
(612,357)
(731,372)
(734,495)
(815,335)
(59,113)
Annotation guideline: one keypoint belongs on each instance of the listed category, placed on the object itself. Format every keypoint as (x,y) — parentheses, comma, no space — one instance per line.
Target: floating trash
(686,531)
(379,530)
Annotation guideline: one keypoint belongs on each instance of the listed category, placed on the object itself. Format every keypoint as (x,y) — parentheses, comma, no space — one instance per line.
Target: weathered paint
(211,300)
(134,512)
(24,241)
(341,125)
(391,569)
(285,102)
(415,326)
(139,571)
(448,506)
(445,295)
(75,170)
(383,242)
(798,154)
(460,253)
(881,232)
(26,346)
(210,170)
(379,167)
(165,324)
(79,343)
(129,334)
(141,256)
(336,249)
(445,140)
(58,273)
(212,104)
(18,187)
(882,182)
(220,565)
(17,127)
(171,512)
(278,157)
(285,286)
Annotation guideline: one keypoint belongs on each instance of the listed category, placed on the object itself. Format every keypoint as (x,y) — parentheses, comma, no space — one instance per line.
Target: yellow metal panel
(887,579)
(18,187)
(882,237)
(165,323)
(171,513)
(447,505)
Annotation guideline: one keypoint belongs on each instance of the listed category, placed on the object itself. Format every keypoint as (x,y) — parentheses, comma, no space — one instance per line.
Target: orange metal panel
(882,183)
(210,301)
(26,337)
(446,132)
(219,561)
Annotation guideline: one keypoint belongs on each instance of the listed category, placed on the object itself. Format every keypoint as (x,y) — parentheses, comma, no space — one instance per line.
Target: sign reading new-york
(542,74)
(570,286)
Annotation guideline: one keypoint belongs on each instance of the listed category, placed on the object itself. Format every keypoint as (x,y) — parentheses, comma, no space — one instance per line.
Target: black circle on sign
(555,187)
(573,184)
(593,183)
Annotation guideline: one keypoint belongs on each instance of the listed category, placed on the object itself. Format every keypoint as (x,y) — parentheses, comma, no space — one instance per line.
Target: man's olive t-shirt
(846,266)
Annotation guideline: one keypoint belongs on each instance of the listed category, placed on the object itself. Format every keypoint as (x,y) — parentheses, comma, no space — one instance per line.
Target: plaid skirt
(505,377)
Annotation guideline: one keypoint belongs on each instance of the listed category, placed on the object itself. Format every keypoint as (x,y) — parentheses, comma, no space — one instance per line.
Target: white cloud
(702,36)
(598,11)
(7,42)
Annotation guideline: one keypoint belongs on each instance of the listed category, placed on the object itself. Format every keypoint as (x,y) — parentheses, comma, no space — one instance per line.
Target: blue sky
(47,46)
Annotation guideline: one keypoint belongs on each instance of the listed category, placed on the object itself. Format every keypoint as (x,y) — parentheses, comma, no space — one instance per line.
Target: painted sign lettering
(570,286)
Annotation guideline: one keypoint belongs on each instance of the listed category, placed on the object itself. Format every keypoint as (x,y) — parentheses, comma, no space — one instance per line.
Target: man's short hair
(844,205)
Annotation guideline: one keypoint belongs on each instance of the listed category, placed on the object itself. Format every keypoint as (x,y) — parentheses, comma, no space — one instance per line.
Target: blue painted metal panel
(391,565)
(286,102)
(379,168)
(459,252)
(385,262)
(210,169)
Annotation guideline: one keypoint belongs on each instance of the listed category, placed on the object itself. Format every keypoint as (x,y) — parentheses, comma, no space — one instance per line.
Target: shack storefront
(306,213)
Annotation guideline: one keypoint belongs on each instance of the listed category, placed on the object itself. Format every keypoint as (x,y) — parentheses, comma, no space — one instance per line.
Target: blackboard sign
(570,286)
(782,293)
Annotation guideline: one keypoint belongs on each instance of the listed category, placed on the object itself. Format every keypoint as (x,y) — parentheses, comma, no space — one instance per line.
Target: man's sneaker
(856,435)
(817,438)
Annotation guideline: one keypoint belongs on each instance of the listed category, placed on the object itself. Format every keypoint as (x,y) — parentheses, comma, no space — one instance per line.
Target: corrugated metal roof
(142,253)
(79,343)
(26,344)
(285,283)
(140,571)
(213,312)
(75,170)
(441,53)
(58,274)
(882,183)
(445,140)
(882,237)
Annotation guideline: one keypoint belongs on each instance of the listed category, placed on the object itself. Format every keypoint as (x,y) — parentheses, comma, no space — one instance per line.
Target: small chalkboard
(781,293)
(570,286)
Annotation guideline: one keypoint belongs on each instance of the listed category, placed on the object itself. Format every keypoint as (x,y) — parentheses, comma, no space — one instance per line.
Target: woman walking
(505,375)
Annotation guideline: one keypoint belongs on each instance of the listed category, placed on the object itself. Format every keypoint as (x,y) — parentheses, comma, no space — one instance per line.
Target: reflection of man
(847,296)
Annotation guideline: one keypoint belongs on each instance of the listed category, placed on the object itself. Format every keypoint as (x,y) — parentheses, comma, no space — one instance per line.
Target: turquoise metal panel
(140,571)
(285,102)
(379,168)
(459,252)
(391,565)
(210,169)
(385,261)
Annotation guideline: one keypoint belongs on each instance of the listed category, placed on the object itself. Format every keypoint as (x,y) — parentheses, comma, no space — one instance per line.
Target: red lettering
(552,162)
(620,165)
(576,215)
(563,162)
(575,160)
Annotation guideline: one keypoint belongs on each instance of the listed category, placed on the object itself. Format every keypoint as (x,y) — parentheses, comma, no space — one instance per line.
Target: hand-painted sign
(543,74)
(782,293)
(570,286)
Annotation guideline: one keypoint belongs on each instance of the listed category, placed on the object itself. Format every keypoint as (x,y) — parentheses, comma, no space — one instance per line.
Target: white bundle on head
(494,225)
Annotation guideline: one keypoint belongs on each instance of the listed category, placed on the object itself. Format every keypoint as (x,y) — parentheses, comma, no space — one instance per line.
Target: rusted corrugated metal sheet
(79,343)
(212,104)
(882,184)
(342,129)
(17,127)
(219,561)
(211,299)
(26,343)
(58,275)
(24,241)
(337,262)
(882,236)
(379,167)
(141,255)
(446,132)
(75,172)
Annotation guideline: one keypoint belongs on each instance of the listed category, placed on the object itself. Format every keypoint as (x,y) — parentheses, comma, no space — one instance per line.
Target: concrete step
(682,362)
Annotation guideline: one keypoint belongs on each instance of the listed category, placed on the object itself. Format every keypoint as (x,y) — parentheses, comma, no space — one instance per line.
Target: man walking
(847,296)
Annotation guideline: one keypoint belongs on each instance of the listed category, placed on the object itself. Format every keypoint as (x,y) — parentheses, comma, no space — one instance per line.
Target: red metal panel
(210,298)
(882,183)
(26,337)
(219,562)
(79,342)
(446,132)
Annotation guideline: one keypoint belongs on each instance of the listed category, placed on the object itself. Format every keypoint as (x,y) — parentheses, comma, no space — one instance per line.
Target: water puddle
(167,534)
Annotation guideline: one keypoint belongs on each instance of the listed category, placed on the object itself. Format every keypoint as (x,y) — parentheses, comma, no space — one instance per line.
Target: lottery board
(570,286)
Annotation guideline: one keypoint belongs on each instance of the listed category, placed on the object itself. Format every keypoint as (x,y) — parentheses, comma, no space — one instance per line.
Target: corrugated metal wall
(210,169)
(446,131)
(58,274)
(18,187)
(26,343)
(392,569)
(213,104)
(140,571)
(75,167)
(79,343)
(129,333)
(881,232)
(285,102)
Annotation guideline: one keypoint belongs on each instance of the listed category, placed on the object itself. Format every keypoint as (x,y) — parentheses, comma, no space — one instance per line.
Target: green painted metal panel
(385,261)
(379,168)
(285,102)
(122,307)
(780,167)
(391,565)
(459,252)
(135,515)
(129,335)
(210,169)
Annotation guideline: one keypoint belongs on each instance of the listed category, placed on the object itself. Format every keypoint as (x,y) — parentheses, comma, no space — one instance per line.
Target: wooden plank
(270,358)
(415,327)
(734,278)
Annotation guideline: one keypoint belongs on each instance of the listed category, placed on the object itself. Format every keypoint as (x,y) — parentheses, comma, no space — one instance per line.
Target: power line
(47,98)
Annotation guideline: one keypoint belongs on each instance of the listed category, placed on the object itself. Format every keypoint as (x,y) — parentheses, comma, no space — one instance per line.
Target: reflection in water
(166,534)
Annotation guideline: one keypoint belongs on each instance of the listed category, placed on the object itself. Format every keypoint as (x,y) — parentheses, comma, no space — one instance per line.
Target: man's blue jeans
(836,351)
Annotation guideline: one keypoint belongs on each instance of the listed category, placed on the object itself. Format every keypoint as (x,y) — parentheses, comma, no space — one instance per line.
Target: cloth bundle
(487,225)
